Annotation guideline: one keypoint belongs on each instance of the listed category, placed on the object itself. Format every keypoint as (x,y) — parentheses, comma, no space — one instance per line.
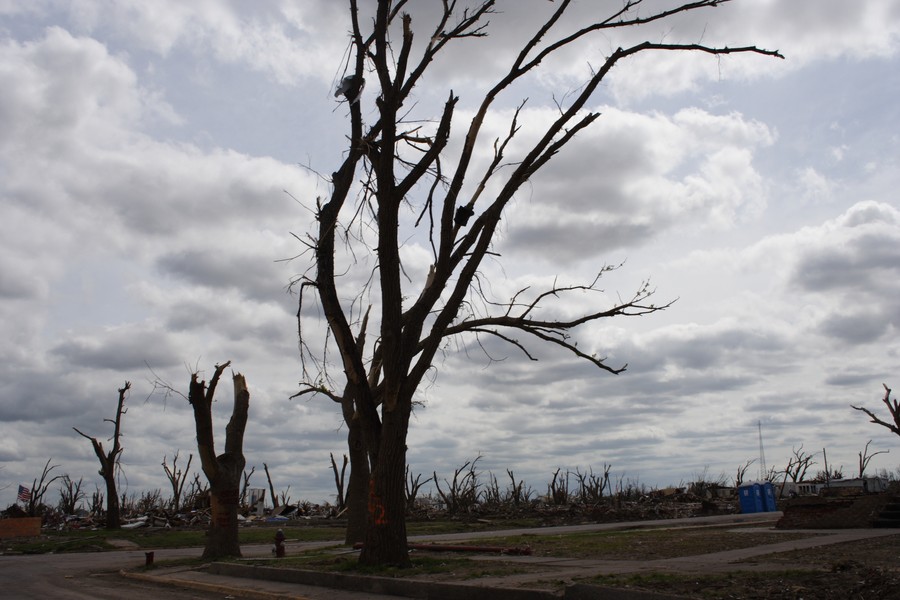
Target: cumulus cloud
(282,40)
(632,176)
(856,252)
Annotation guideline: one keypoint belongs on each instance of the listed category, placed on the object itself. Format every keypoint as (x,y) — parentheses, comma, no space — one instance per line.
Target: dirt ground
(862,570)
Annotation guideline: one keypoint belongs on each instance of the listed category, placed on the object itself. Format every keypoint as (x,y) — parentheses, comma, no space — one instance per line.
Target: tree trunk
(358,485)
(385,542)
(113,516)
(271,487)
(224,495)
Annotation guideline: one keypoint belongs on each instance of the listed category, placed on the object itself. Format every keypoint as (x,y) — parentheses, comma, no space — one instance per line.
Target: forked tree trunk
(224,471)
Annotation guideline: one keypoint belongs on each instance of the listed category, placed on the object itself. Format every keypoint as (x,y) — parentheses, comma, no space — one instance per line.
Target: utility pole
(763,472)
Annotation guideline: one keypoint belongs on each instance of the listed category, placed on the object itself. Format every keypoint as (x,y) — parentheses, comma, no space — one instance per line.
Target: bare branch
(893,408)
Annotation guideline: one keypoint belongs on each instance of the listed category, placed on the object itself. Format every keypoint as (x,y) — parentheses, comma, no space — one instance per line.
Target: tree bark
(385,542)
(271,487)
(113,512)
(222,536)
(358,484)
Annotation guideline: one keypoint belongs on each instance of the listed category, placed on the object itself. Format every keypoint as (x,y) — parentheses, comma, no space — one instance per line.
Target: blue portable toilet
(751,500)
(768,493)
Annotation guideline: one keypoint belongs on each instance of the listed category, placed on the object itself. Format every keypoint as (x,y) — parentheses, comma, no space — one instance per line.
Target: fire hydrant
(279,544)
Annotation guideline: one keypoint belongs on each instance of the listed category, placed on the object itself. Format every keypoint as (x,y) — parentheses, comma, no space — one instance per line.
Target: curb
(214,588)
(427,589)
(375,585)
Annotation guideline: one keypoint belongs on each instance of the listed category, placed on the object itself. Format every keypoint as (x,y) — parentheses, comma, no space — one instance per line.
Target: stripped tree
(339,482)
(403,164)
(35,506)
(70,494)
(224,470)
(271,487)
(177,478)
(109,460)
(865,458)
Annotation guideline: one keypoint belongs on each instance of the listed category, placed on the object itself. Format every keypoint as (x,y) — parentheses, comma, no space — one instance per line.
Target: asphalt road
(87,576)
(95,576)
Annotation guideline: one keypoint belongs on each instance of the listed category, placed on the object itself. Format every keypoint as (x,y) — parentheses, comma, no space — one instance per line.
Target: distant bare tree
(865,457)
(591,486)
(339,479)
(893,408)
(285,496)
(517,493)
(558,488)
(35,505)
(70,494)
(109,461)
(177,478)
(197,495)
(246,484)
(463,490)
(798,464)
(96,505)
(832,474)
(413,485)
(149,501)
(742,473)
(271,487)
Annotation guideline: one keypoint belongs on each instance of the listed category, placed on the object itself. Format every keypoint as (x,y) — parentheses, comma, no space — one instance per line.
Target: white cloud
(805,31)
(284,40)
(127,245)
(631,177)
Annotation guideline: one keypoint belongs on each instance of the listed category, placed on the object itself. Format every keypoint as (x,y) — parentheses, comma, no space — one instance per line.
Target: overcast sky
(157,159)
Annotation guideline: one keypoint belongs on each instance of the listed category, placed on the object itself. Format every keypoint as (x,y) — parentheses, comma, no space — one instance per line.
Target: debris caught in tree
(351,88)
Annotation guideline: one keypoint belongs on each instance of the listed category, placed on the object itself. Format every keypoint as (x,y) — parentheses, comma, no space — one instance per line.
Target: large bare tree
(109,460)
(223,471)
(388,329)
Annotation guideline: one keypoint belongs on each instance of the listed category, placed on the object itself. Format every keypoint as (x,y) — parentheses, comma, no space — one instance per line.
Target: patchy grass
(74,540)
(874,553)
(156,537)
(445,567)
(790,583)
(151,538)
(52,542)
(647,544)
(709,587)
(437,527)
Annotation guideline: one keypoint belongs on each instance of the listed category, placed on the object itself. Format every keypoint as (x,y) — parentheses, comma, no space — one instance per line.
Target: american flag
(24,494)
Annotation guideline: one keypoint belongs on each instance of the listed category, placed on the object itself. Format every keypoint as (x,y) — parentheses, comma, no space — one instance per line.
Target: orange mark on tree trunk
(376,506)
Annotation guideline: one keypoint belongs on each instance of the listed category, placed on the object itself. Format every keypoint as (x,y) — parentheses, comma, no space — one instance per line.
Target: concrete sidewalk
(249,581)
